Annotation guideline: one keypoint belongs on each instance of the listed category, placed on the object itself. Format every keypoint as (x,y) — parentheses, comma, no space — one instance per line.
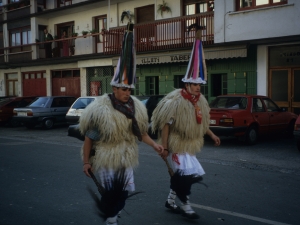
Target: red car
(297,132)
(7,106)
(247,116)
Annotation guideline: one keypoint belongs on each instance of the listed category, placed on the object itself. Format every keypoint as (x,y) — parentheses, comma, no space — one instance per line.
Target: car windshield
(81,103)
(229,103)
(4,101)
(40,102)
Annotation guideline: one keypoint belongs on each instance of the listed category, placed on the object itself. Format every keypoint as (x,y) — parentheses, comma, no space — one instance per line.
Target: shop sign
(164,59)
(285,56)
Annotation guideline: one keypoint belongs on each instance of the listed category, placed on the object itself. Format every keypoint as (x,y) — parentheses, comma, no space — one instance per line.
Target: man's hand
(86,167)
(165,154)
(158,148)
(215,138)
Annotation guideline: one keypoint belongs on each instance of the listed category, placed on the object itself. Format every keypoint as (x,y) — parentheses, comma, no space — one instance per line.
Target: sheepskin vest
(117,147)
(185,134)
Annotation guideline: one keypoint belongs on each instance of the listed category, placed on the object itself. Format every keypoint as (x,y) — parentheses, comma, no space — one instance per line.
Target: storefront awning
(183,56)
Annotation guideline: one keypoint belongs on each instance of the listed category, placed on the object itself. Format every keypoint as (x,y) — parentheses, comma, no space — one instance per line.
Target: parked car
(46,110)
(248,116)
(77,107)
(297,132)
(7,106)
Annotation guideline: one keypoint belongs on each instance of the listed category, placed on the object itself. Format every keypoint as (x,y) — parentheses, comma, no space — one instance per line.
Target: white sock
(171,197)
(112,220)
(187,208)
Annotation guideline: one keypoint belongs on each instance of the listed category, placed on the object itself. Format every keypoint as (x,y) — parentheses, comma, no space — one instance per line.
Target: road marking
(238,215)
(17,143)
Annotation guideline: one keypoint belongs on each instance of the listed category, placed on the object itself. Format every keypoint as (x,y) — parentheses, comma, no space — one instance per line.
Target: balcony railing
(163,34)
(159,35)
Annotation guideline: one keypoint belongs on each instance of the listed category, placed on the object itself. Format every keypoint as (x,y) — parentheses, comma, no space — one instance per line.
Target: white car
(76,109)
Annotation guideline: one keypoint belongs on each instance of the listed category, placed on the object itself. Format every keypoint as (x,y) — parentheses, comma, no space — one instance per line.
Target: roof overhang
(221,52)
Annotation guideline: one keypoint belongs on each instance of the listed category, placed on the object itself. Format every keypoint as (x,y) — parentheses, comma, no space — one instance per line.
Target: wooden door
(66,86)
(34,84)
(283,88)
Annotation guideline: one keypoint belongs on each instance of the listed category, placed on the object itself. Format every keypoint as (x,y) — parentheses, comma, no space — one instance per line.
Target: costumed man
(112,124)
(182,119)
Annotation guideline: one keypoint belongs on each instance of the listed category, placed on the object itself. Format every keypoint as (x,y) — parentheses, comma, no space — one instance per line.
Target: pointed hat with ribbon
(125,74)
(196,70)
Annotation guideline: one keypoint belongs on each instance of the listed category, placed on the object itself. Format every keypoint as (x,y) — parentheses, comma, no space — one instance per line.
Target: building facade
(251,46)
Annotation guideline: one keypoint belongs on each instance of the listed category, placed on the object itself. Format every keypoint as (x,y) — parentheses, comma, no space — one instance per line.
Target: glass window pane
(245,3)
(10,88)
(32,76)
(18,39)
(38,75)
(203,7)
(29,37)
(296,87)
(24,37)
(190,9)
(13,38)
(279,85)
(16,87)
(12,76)
(261,2)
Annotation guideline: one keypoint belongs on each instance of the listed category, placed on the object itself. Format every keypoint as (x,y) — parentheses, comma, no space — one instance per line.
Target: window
(178,81)
(191,7)
(152,84)
(145,14)
(271,106)
(250,4)
(257,105)
(19,37)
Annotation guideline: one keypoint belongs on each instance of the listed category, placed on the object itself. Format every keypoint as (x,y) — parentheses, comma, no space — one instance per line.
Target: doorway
(65,47)
(12,84)
(283,88)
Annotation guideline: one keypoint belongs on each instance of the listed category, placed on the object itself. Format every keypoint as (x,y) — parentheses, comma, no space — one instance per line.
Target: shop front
(284,76)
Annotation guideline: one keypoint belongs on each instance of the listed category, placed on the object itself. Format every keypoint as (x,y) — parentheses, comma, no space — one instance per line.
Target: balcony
(162,35)
(17,9)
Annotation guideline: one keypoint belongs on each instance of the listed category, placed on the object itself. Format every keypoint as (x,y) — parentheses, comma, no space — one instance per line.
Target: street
(42,183)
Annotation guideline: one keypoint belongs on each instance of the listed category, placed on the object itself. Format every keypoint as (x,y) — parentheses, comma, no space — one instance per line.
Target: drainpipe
(108,16)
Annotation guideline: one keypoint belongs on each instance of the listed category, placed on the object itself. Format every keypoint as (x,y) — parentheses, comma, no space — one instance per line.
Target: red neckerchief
(193,99)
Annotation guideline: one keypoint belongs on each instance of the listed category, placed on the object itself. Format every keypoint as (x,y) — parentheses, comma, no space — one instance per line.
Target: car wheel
(29,125)
(48,123)
(251,136)
(298,145)
(14,123)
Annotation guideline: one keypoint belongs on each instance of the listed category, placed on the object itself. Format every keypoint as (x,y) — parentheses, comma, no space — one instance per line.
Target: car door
(59,108)
(260,115)
(278,121)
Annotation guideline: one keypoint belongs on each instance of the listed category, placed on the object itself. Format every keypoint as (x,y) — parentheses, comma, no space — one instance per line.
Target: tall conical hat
(196,70)
(125,74)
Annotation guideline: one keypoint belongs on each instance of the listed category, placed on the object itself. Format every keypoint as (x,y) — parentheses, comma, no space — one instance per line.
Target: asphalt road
(42,183)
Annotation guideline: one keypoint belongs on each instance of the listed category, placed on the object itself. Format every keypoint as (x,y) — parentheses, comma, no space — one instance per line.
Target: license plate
(22,113)
(212,121)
